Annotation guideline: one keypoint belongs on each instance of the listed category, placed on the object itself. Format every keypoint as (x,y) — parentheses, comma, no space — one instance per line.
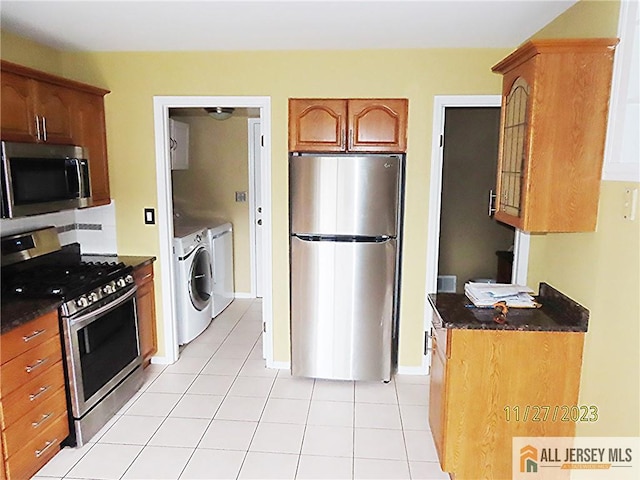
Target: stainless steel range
(98,319)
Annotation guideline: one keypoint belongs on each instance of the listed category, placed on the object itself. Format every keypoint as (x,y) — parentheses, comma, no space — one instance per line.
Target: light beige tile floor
(219,413)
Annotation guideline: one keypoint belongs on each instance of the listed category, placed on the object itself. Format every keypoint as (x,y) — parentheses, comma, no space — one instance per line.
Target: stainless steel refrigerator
(345,222)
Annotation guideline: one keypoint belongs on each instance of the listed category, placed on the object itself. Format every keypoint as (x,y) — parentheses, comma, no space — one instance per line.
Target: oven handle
(87,318)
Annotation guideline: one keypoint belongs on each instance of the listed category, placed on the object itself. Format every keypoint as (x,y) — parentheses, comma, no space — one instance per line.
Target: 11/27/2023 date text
(551,413)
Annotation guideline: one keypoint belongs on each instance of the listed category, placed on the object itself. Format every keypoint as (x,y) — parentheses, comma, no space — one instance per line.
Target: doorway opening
(252,114)
(472,244)
(520,248)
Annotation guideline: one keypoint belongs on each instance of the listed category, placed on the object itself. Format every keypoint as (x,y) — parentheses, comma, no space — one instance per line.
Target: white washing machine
(221,238)
(194,285)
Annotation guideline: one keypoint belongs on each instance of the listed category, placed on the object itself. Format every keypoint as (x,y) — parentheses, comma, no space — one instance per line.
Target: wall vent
(447,283)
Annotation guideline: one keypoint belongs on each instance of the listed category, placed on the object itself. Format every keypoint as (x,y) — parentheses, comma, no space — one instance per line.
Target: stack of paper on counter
(488,294)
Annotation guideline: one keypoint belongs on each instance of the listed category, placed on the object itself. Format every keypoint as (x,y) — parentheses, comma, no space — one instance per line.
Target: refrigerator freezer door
(345,195)
(342,300)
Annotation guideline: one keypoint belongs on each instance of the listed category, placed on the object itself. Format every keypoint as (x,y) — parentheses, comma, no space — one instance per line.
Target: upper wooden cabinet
(38,107)
(348,125)
(89,130)
(555,100)
(34,111)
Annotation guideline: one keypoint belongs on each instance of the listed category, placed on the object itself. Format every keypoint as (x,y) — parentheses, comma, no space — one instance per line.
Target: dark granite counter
(558,313)
(18,311)
(132,260)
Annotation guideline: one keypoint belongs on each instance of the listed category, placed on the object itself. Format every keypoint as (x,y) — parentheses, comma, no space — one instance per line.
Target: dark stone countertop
(558,313)
(18,311)
(131,260)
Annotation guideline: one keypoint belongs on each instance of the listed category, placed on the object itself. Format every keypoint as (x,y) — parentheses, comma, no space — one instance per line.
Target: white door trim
(251,122)
(521,241)
(161,106)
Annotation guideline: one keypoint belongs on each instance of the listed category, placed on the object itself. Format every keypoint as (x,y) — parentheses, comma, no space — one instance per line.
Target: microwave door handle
(73,172)
(8,185)
(79,175)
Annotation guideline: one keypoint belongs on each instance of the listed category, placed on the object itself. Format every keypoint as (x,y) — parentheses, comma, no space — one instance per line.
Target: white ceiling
(147,25)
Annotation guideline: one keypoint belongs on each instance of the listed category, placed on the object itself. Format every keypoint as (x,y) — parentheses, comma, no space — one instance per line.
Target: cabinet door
(437,402)
(378,125)
(317,125)
(18,116)
(145,301)
(513,151)
(55,110)
(89,131)
(179,144)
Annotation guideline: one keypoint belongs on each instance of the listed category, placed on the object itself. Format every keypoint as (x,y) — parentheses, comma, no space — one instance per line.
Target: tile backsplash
(93,228)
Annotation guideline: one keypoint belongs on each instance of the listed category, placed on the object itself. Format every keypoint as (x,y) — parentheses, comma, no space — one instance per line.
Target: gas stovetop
(80,284)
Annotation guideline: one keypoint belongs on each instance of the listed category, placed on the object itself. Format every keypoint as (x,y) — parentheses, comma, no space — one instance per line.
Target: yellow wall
(25,52)
(600,270)
(134,78)
(218,167)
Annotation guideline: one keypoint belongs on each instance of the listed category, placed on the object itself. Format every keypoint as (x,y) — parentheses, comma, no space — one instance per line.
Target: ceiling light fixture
(220,113)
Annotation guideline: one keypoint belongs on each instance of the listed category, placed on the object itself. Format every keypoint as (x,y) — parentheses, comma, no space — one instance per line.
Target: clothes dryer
(221,238)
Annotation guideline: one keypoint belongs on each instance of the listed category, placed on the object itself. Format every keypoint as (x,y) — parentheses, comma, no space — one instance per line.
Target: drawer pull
(39,363)
(145,277)
(40,391)
(35,334)
(46,447)
(45,417)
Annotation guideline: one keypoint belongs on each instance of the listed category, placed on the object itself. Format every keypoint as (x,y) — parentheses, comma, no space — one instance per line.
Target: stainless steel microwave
(40,178)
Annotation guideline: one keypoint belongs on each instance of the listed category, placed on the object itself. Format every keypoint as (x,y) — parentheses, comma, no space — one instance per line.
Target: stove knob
(93,297)
(82,302)
(121,283)
(108,289)
(128,279)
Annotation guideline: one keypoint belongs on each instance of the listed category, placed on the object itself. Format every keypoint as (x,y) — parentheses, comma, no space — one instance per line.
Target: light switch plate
(149,216)
(241,196)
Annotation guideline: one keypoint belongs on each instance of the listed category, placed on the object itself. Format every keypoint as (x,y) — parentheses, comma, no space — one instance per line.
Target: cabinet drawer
(38,451)
(29,335)
(143,274)
(34,422)
(32,394)
(30,364)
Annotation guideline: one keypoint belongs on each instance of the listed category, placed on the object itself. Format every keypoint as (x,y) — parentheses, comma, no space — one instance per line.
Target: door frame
(254,176)
(521,239)
(161,106)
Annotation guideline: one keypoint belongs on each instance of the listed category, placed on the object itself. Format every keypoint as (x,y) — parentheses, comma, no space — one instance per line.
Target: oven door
(102,348)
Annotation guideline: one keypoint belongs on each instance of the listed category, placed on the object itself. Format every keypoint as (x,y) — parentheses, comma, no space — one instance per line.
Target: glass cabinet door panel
(514,145)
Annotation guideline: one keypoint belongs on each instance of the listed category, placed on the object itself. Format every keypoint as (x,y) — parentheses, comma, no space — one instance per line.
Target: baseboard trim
(243,295)
(279,365)
(413,370)
(161,360)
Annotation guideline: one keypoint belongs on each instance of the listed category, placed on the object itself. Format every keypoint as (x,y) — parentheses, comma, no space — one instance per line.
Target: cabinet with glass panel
(554,114)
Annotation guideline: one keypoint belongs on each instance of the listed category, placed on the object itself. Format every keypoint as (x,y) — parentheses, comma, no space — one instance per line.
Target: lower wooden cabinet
(478,378)
(33,402)
(145,300)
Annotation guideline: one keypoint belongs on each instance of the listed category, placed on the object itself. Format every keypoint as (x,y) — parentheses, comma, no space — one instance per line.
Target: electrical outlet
(630,204)
(241,196)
